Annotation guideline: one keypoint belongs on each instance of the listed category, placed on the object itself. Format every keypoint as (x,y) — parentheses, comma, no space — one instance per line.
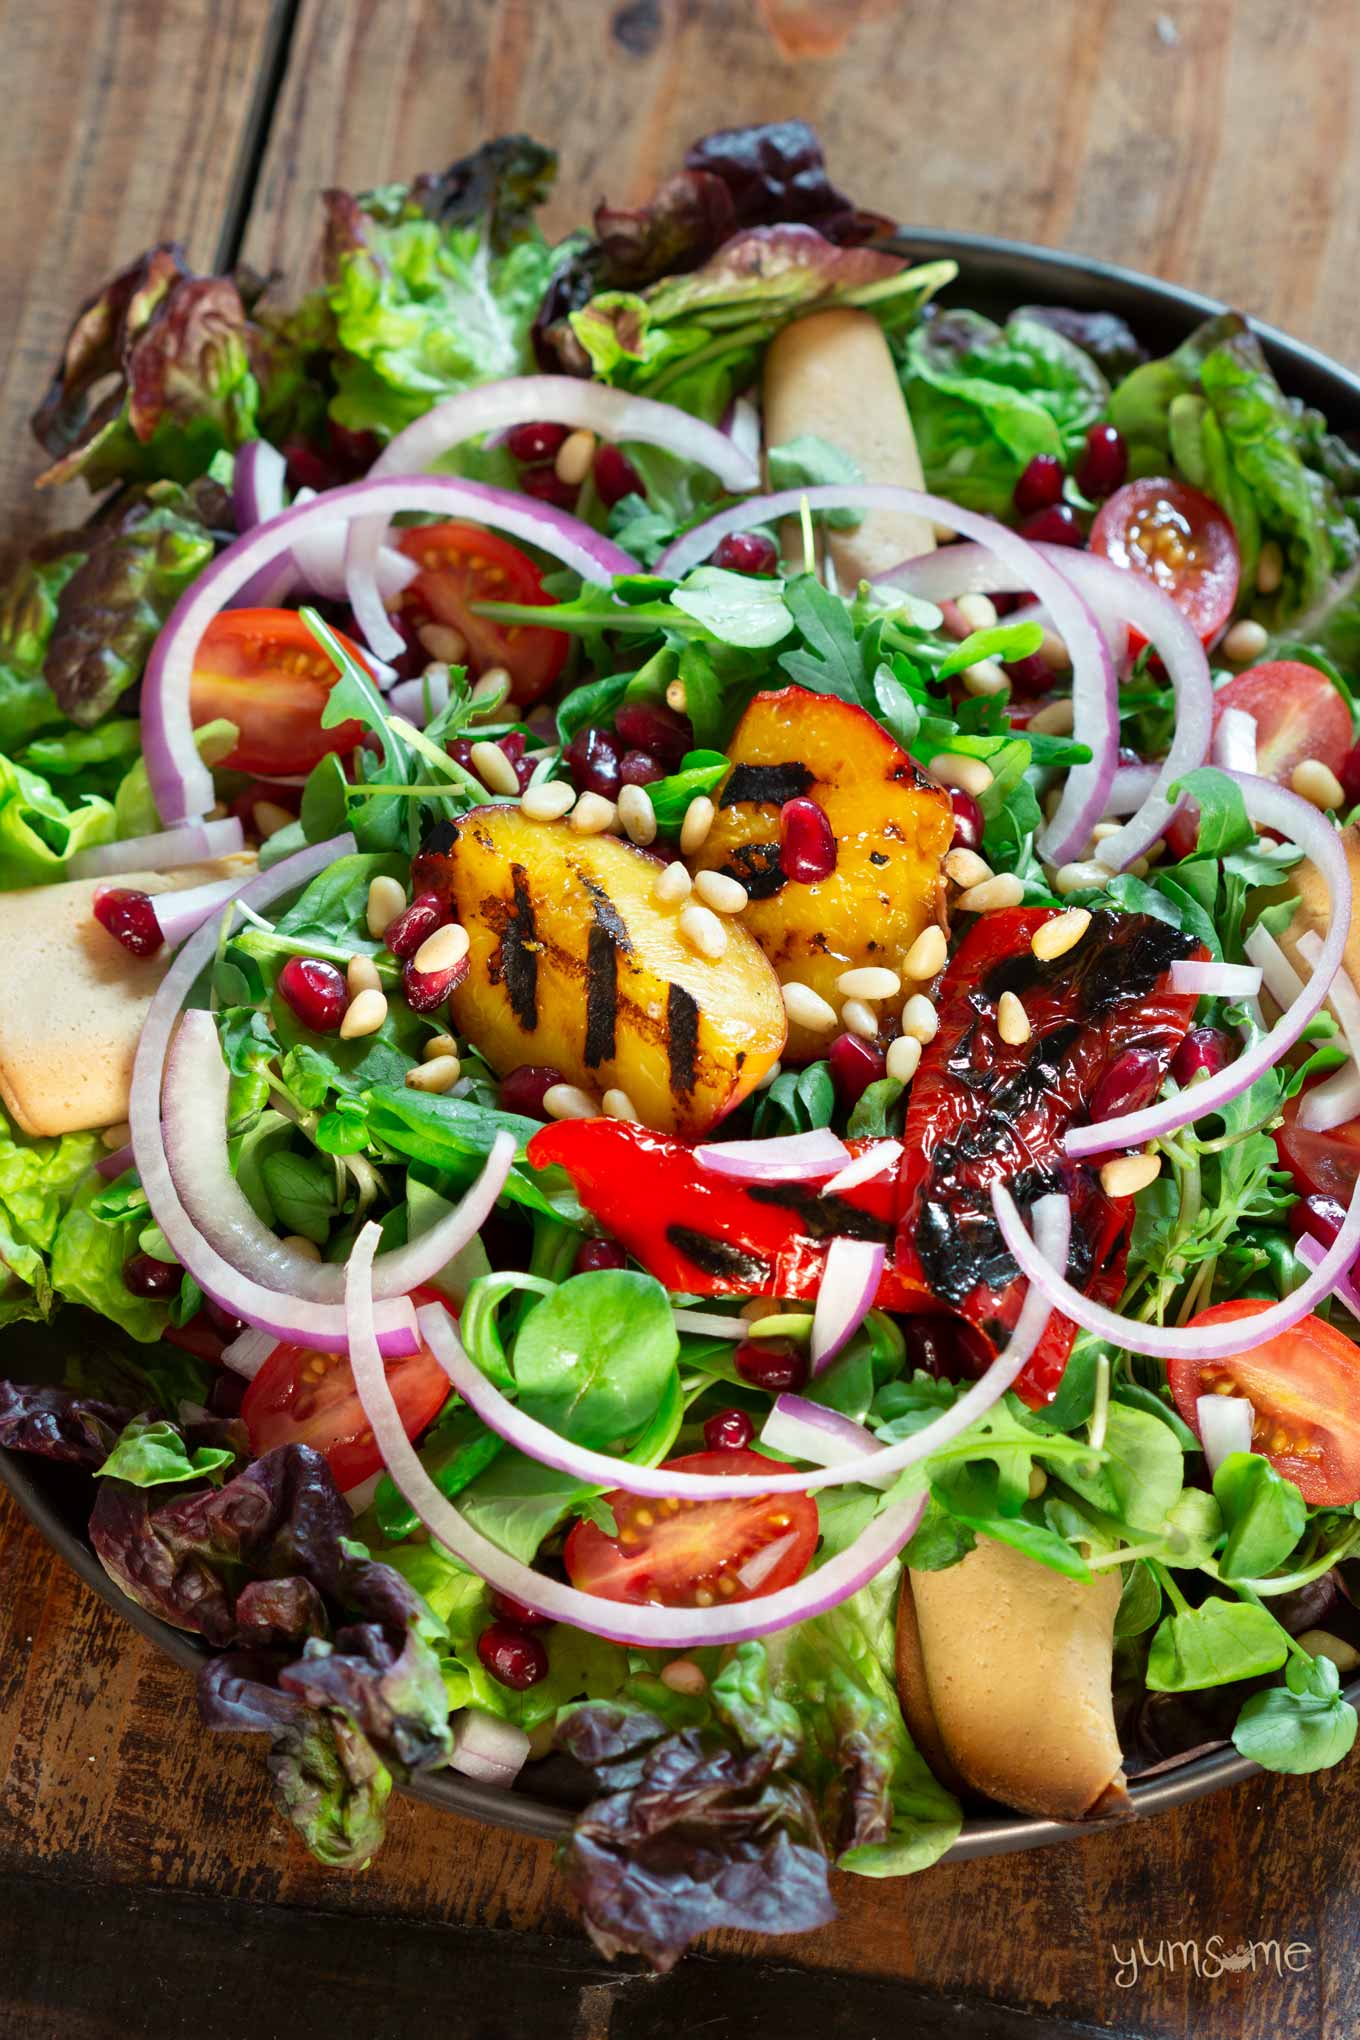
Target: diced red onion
(191,843)
(848,1287)
(1271,807)
(1214,980)
(296,1319)
(1337,1100)
(1225,1427)
(248,1352)
(180,782)
(707,1324)
(789,1158)
(258,475)
(1234,744)
(112,1166)
(179,913)
(1177,1342)
(1310,1251)
(408,697)
(877,1157)
(488,1748)
(808,1430)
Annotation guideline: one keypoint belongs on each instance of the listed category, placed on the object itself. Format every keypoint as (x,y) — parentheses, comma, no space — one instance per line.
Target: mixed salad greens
(718,895)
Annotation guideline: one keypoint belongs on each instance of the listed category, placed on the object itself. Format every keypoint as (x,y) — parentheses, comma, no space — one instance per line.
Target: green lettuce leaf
(39,833)
(37,1181)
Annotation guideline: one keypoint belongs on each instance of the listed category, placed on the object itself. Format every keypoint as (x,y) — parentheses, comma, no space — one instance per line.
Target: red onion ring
(180,782)
(191,843)
(179,913)
(787,1158)
(112,1166)
(845,1296)
(258,475)
(1336,1100)
(1310,1252)
(878,1156)
(808,1430)
(1273,807)
(488,1748)
(320,560)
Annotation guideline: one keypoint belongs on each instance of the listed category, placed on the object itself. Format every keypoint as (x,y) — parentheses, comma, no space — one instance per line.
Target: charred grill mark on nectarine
(682,1038)
(766,784)
(518,954)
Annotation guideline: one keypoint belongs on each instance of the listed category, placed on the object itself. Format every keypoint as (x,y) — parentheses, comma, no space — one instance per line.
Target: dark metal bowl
(994,277)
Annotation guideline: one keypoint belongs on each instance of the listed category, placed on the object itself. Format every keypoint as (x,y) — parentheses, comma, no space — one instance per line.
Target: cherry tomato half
(1304,1386)
(302,1397)
(1322,1164)
(263,670)
(1299,714)
(461,564)
(681,1554)
(1179,538)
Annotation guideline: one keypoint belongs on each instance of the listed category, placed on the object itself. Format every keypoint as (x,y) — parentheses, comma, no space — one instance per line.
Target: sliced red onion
(408,697)
(320,560)
(1271,807)
(1337,1100)
(192,843)
(1234,744)
(258,475)
(1177,1342)
(878,1156)
(707,1324)
(808,1430)
(488,1748)
(112,1166)
(789,1158)
(1214,980)
(195,1107)
(1225,1427)
(845,1297)
(744,430)
(248,1352)
(297,1319)
(269,589)
(876,1465)
(1281,979)
(179,913)
(1310,1251)
(1129,788)
(362,1497)
(180,782)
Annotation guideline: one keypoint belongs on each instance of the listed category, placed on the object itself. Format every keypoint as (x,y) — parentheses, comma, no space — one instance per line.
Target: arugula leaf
(1224,825)
(739,609)
(829,660)
(699,773)
(1005,641)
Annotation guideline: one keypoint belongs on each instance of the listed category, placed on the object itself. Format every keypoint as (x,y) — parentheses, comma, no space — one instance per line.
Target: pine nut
(1126,1175)
(114,1137)
(307,1249)
(637,815)
(809,1009)
(725,895)
(1054,938)
(682,1675)
(1054,719)
(493,685)
(439,1074)
(1244,642)
(970,775)
(443,950)
(269,818)
(985,678)
(618,1105)
(677,697)
(386,899)
(364,1015)
(1104,829)
(869,981)
(1005,890)
(672,885)
(775,1070)
(1269,567)
(574,458)
(945,534)
(760,1309)
(592,815)
(493,768)
(548,801)
(443,643)
(927,955)
(966,868)
(857,1018)
(437,1045)
(1055,654)
(1012,1021)
(904,1058)
(1313,781)
(703,931)
(1082,876)
(697,823)
(361,975)
(919,1018)
(977,611)
(569,1101)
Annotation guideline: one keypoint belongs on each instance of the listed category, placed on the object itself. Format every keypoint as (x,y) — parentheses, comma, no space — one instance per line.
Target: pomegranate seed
(729,1431)
(1130,1082)
(129,917)
(855,1064)
(415,924)
(1030,676)
(546,486)
(1004,602)
(639,768)
(222,1321)
(1058,525)
(513,1657)
(144,1275)
(615,477)
(746,552)
(652,726)
(525,1088)
(227,1393)
(536,442)
(807,845)
(354,452)
(306,468)
(593,761)
(426,990)
(516,1612)
(1349,775)
(1204,1048)
(593,1255)
(1319,1214)
(772,1364)
(1041,485)
(316,992)
(460,750)
(968,823)
(1104,464)
(513,745)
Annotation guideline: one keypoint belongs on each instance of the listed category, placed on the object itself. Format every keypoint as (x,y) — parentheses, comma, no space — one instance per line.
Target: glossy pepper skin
(979,1111)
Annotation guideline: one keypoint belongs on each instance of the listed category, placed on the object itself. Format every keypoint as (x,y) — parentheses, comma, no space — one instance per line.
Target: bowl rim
(1004,270)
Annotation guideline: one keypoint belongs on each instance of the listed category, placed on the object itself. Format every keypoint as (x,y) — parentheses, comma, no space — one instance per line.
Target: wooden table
(145,1886)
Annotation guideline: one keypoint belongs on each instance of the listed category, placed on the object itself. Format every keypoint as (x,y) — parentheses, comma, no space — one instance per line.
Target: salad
(681,1061)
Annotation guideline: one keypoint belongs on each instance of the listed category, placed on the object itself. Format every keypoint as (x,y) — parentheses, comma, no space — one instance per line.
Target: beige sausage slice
(1005,1667)
(72,1000)
(832,374)
(1307,882)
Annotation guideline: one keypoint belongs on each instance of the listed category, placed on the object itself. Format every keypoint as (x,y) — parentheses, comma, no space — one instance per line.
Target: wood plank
(124,125)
